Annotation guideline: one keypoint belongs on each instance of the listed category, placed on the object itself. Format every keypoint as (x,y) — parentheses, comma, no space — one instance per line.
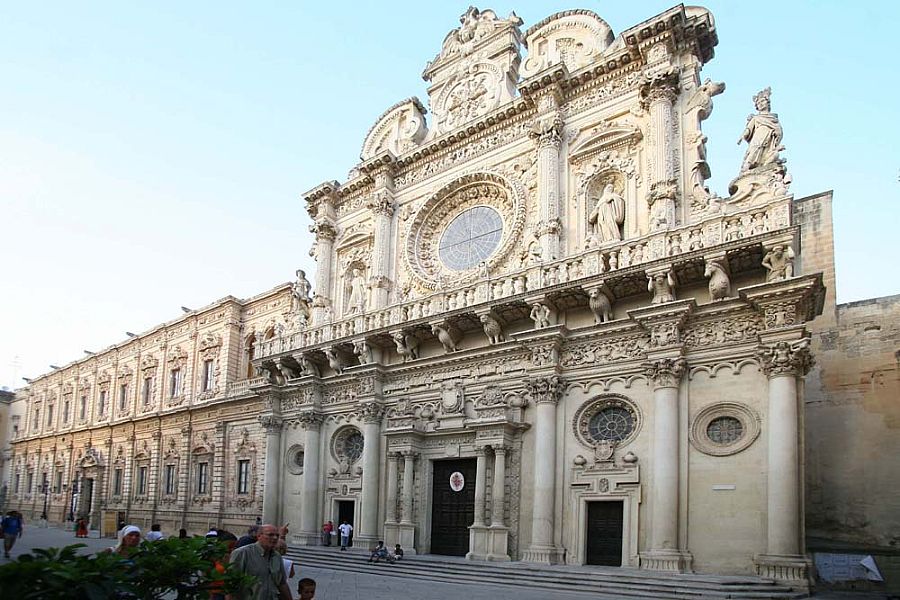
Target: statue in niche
(779,262)
(607,216)
(357,301)
(763,135)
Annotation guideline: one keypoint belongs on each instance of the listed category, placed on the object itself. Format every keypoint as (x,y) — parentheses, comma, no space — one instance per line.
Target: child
(307,588)
(398,552)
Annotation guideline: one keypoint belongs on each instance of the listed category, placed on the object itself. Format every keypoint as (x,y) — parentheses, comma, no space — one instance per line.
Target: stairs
(609,582)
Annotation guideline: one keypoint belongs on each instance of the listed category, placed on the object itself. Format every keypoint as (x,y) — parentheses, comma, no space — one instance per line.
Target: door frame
(429,496)
(585,532)
(630,503)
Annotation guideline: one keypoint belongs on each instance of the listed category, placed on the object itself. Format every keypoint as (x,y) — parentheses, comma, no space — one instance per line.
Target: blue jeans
(345,539)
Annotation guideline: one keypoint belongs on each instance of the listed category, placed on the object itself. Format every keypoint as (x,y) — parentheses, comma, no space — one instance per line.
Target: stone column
(371,481)
(478,529)
(382,206)
(665,554)
(272,475)
(498,534)
(391,501)
(407,528)
(184,477)
(311,422)
(325,232)
(155,478)
(784,361)
(658,95)
(545,393)
(547,134)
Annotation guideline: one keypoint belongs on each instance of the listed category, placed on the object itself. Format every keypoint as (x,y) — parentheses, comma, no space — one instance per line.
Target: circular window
(347,445)
(724,429)
(294,460)
(609,418)
(470,238)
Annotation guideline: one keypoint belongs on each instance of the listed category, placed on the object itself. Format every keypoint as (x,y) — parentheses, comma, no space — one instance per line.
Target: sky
(154,155)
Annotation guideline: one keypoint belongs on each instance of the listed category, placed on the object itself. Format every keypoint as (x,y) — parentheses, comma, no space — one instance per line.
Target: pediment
(398,130)
(603,138)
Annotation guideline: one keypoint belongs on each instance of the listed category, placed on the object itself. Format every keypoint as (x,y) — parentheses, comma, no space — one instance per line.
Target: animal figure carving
(492,329)
(445,338)
(600,305)
(309,367)
(407,346)
(334,361)
(719,282)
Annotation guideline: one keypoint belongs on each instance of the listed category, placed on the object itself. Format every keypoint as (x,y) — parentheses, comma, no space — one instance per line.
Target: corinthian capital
(310,420)
(785,358)
(547,130)
(324,230)
(665,372)
(545,389)
(659,87)
(270,423)
(381,203)
(371,412)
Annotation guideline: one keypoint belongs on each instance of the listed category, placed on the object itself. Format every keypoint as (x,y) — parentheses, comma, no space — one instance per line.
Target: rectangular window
(57,482)
(142,481)
(15,432)
(67,410)
(49,415)
(145,391)
(82,408)
(243,477)
(117,482)
(170,480)
(202,477)
(175,383)
(123,396)
(36,421)
(18,480)
(207,383)
(101,404)
(29,483)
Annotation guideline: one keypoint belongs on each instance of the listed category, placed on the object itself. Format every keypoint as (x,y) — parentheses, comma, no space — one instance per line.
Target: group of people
(345,530)
(11,529)
(380,552)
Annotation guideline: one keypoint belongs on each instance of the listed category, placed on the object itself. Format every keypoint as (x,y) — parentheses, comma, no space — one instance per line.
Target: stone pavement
(341,585)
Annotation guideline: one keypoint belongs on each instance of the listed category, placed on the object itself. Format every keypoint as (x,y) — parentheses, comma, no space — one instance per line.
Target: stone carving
(300,289)
(762,170)
(334,360)
(779,263)
(452,396)
(356,301)
(606,352)
(363,351)
(664,334)
(308,366)
(665,372)
(662,286)
(738,329)
(574,38)
(492,329)
(785,358)
(601,305)
(719,281)
(475,26)
(407,345)
(701,99)
(444,336)
(540,314)
(398,130)
(545,389)
(607,216)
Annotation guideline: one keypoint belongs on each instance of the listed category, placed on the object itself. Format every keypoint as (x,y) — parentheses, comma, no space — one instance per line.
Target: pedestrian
(249,538)
(346,531)
(182,534)
(307,588)
(13,527)
(327,528)
(282,548)
(398,552)
(81,530)
(131,538)
(216,591)
(379,552)
(155,534)
(262,561)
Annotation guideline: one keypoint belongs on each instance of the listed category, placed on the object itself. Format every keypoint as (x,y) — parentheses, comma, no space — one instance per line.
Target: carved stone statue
(357,300)
(600,305)
(492,329)
(300,294)
(701,99)
(540,314)
(362,351)
(407,345)
(719,282)
(763,135)
(607,216)
(779,262)
(444,337)
(334,361)
(662,286)
(308,366)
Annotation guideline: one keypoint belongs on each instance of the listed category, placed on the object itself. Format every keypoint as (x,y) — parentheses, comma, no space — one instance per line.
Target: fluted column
(665,375)
(480,484)
(498,490)
(382,206)
(545,393)
(311,422)
(658,95)
(371,479)
(272,474)
(391,500)
(407,497)
(547,135)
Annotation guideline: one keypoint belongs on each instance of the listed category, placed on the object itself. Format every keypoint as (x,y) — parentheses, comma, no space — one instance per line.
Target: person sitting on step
(380,552)
(398,552)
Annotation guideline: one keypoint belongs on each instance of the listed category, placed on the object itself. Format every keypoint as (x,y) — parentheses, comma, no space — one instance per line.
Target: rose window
(471,238)
(348,444)
(612,424)
(609,418)
(725,430)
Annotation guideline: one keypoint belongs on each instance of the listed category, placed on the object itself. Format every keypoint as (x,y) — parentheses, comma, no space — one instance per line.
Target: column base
(548,555)
(675,561)
(790,568)
(365,541)
(407,538)
(498,543)
(307,538)
(478,543)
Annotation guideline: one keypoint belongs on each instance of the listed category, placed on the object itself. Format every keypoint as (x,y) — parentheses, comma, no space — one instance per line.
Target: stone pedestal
(497,543)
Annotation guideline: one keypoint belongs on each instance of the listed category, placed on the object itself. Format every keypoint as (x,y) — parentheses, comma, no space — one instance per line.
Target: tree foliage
(153,570)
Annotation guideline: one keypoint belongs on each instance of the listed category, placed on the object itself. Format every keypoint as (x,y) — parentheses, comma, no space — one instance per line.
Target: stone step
(608,581)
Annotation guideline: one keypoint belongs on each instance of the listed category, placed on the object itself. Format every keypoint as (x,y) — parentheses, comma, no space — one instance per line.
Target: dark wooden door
(604,534)
(345,513)
(452,511)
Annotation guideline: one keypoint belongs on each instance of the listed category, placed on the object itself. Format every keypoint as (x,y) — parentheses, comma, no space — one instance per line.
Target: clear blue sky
(152,155)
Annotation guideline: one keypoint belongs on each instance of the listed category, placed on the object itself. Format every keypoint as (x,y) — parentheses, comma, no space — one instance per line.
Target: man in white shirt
(346,529)
(155,534)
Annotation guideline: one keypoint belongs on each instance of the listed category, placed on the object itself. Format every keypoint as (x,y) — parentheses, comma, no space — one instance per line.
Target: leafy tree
(154,570)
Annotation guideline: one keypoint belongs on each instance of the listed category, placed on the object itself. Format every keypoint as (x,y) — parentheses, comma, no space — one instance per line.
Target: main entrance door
(452,506)
(604,533)
(345,513)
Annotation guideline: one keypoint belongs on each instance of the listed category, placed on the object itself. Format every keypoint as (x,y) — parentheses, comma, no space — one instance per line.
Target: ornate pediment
(575,38)
(398,130)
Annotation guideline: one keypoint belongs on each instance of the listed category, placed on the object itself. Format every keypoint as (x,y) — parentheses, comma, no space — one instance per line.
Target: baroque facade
(535,334)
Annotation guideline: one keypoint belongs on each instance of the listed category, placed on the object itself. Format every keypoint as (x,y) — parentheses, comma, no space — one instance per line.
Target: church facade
(533,333)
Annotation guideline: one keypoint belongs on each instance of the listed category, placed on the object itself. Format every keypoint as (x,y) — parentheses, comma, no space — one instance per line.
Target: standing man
(13,528)
(264,563)
(346,529)
(327,528)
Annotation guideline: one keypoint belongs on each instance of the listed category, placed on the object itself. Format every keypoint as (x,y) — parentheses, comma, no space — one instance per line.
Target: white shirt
(154,536)
(346,528)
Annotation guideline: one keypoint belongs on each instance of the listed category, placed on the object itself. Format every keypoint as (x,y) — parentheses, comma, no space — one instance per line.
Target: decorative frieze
(785,358)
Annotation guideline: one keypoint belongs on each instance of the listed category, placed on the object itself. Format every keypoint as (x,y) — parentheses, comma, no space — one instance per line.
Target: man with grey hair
(262,562)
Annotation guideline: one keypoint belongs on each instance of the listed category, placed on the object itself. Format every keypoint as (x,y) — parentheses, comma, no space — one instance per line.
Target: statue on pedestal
(607,216)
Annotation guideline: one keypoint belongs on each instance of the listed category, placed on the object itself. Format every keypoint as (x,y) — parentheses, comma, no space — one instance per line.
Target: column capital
(546,131)
(381,203)
(664,322)
(785,358)
(481,450)
(324,230)
(394,455)
(659,87)
(665,372)
(410,454)
(545,389)
(371,413)
(271,423)
(310,420)
(499,449)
